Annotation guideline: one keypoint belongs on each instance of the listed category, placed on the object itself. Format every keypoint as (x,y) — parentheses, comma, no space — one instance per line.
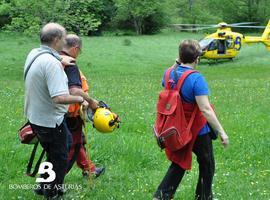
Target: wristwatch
(82,101)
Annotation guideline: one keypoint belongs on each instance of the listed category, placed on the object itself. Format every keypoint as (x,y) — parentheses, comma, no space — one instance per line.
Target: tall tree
(192,11)
(138,11)
(27,15)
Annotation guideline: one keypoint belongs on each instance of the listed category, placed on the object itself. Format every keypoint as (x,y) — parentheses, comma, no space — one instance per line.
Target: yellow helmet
(103,120)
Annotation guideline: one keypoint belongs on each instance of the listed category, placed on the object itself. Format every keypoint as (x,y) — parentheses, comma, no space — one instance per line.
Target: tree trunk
(138,25)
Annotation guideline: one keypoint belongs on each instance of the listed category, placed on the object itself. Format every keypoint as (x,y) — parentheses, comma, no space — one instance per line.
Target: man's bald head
(73,40)
(50,32)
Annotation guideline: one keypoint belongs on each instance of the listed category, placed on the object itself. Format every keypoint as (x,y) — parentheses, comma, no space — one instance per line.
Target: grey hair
(73,40)
(50,32)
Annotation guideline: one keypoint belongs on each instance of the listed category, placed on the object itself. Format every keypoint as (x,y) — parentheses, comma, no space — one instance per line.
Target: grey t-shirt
(45,79)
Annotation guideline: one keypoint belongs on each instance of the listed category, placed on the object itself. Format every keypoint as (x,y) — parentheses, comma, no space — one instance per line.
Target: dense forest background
(126,17)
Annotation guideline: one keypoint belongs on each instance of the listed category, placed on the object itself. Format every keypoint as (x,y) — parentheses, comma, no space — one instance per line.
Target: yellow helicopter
(226,44)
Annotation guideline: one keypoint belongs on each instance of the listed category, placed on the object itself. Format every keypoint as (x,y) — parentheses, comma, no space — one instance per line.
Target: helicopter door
(221,47)
(212,46)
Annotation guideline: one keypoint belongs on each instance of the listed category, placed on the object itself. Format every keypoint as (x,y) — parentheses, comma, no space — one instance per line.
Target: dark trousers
(55,142)
(203,149)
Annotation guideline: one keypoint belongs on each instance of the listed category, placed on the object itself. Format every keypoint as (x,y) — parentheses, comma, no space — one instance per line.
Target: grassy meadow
(126,72)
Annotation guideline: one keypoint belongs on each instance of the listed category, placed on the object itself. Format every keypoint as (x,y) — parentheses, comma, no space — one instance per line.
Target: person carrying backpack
(46,104)
(204,126)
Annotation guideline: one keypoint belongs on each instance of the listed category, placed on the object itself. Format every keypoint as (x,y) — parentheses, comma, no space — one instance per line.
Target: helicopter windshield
(205,42)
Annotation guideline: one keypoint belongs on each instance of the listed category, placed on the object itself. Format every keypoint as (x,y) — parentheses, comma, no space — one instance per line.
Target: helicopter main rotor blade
(202,25)
(242,23)
(197,27)
(263,27)
(214,25)
(194,29)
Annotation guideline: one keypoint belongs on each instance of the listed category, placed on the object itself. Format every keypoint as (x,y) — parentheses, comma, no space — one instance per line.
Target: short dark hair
(189,51)
(48,34)
(73,40)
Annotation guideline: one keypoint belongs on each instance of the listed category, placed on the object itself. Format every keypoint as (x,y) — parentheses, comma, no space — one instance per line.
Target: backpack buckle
(160,142)
(168,106)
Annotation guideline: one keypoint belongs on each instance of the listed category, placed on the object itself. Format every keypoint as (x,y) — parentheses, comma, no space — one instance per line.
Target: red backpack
(171,128)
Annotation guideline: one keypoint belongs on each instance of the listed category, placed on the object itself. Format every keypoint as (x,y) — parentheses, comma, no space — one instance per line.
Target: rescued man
(46,99)
(194,92)
(78,86)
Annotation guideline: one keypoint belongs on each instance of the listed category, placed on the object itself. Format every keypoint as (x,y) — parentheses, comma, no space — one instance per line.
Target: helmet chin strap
(112,122)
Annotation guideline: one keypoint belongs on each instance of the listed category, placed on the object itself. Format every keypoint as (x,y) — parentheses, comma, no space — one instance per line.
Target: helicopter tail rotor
(265,38)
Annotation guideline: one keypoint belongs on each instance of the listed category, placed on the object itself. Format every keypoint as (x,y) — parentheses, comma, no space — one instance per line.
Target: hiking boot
(55,197)
(39,191)
(61,192)
(98,171)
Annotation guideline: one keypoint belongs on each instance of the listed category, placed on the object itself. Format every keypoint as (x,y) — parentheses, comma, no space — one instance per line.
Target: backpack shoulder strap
(31,160)
(179,85)
(167,77)
(183,77)
(29,65)
(192,118)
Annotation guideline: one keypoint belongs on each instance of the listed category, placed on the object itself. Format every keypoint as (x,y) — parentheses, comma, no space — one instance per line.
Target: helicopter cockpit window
(213,45)
(204,43)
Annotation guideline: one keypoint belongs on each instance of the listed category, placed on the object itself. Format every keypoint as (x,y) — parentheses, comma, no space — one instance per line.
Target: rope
(85,132)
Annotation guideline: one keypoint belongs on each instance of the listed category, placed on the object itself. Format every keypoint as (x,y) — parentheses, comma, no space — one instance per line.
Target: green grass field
(129,79)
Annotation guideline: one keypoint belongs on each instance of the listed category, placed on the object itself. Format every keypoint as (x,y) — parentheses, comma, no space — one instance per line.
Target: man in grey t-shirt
(46,99)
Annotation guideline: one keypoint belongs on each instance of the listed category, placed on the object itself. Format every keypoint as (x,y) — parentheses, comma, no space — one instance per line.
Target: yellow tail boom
(265,38)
